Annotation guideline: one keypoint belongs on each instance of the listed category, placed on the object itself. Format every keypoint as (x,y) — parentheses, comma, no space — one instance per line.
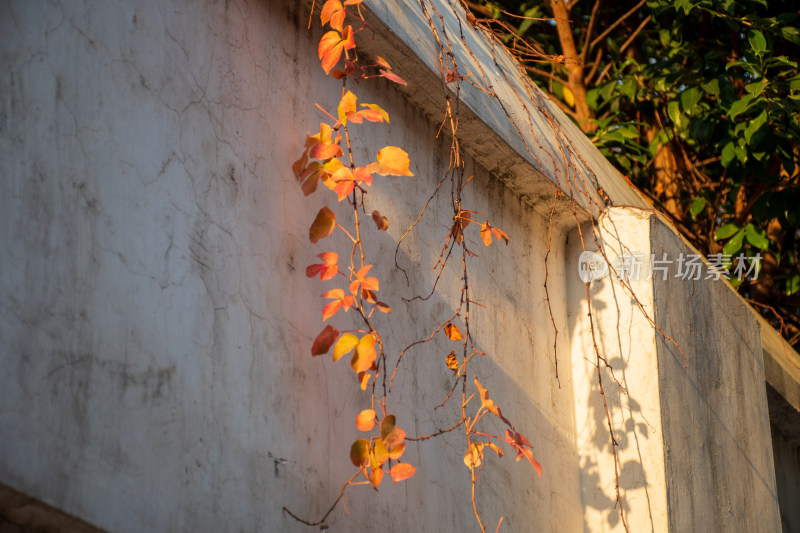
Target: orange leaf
(334,13)
(391,434)
(393,161)
(401,472)
(359,452)
(374,113)
(340,301)
(364,355)
(326,270)
(391,76)
(487,231)
(365,420)
(331,309)
(379,453)
(381,221)
(347,342)
(494,447)
(383,308)
(474,456)
(486,403)
(453,332)
(382,62)
(499,234)
(362,174)
(486,235)
(323,225)
(362,282)
(363,379)
(377,477)
(324,341)
(451,361)
(332,45)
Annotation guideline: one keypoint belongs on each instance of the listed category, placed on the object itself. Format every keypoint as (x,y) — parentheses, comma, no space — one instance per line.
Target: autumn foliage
(352,284)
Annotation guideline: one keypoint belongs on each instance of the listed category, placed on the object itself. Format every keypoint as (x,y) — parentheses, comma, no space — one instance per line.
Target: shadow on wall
(618,334)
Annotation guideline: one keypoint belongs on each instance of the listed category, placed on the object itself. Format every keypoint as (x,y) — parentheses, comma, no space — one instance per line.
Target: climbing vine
(328,159)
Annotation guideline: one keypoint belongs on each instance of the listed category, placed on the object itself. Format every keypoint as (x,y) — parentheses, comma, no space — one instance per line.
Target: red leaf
(365,420)
(324,341)
(518,442)
(326,270)
(401,472)
(391,76)
(323,225)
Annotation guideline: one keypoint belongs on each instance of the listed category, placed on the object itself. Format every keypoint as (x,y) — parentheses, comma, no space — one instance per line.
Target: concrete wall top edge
(509,132)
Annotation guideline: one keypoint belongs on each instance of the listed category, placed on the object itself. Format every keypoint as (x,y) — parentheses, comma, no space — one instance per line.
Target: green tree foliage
(697,103)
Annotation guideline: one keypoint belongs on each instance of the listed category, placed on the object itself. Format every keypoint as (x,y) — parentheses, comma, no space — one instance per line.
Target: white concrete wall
(156,320)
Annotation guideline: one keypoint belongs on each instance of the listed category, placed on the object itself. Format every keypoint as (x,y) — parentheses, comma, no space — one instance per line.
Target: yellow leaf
(393,161)
(364,355)
(569,98)
(347,342)
(346,106)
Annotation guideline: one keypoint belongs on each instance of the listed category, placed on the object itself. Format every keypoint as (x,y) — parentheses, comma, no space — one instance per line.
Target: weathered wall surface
(156,320)
(787,476)
(714,414)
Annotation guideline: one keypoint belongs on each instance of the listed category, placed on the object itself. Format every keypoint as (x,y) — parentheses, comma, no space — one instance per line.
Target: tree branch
(617,23)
